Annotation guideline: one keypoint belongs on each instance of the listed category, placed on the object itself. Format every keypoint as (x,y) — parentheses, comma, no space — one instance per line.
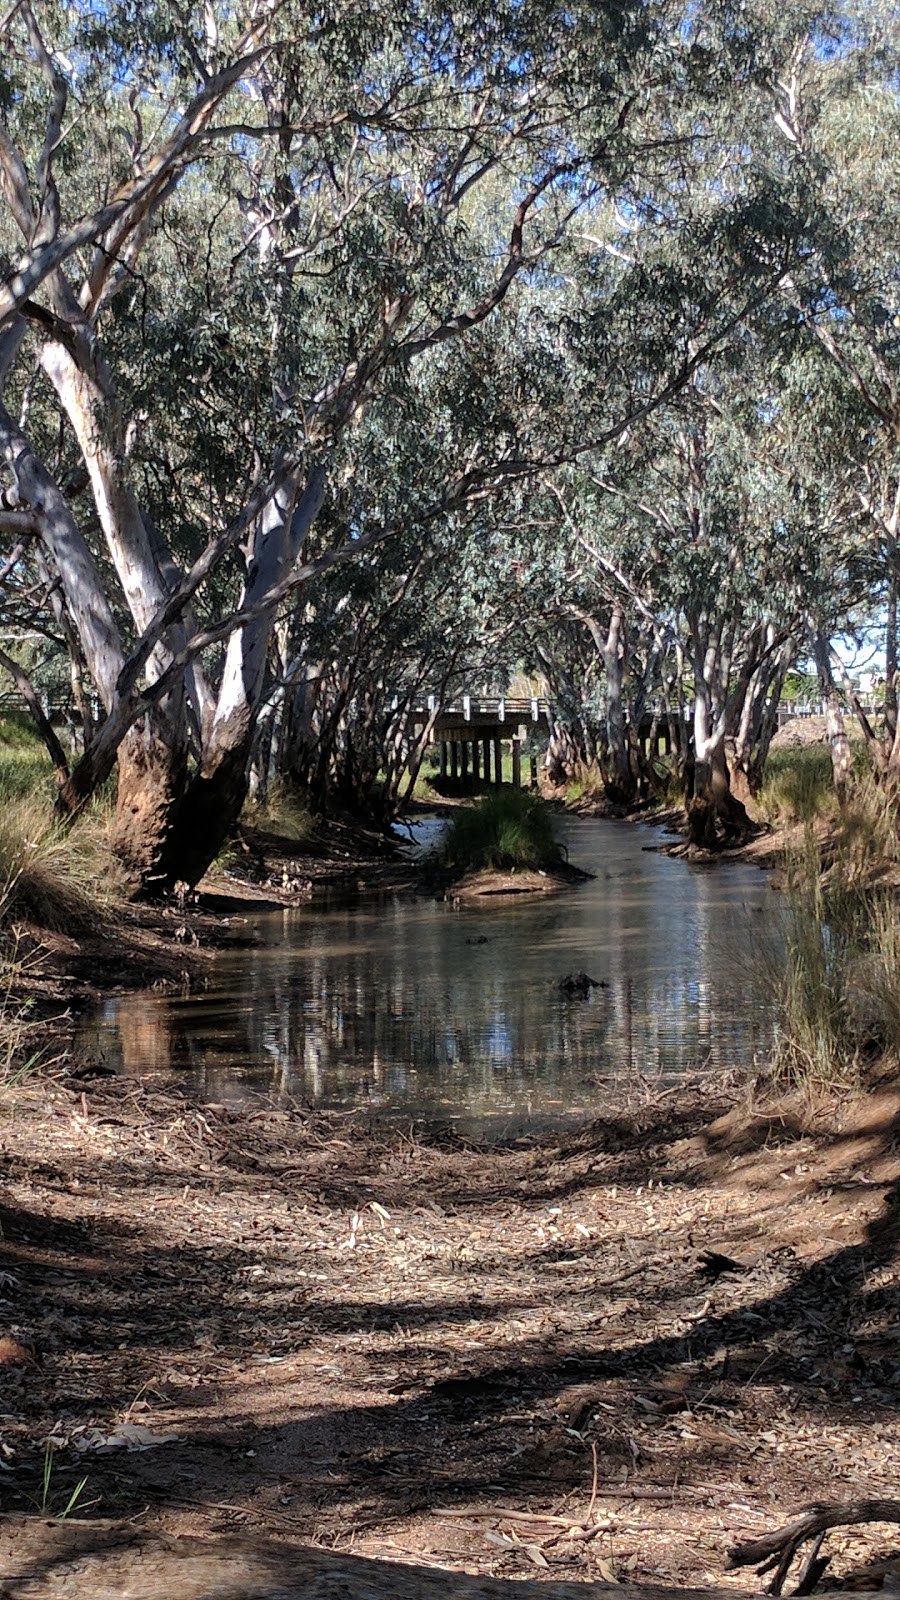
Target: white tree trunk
(71,557)
(280,533)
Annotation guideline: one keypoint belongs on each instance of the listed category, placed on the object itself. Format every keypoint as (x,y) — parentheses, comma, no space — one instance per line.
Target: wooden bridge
(472,730)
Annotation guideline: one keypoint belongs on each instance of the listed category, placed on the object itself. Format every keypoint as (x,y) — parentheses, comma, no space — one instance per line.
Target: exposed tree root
(778,1549)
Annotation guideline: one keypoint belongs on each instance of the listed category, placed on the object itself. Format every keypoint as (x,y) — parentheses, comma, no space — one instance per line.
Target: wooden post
(464,760)
(454,759)
(476,773)
(443,759)
(487,760)
(532,771)
(498,762)
(517,763)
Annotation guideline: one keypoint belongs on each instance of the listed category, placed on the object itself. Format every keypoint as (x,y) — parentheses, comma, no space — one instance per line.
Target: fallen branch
(779,1548)
(70,1560)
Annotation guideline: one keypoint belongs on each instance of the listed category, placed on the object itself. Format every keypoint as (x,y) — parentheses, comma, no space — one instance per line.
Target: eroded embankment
(606,1352)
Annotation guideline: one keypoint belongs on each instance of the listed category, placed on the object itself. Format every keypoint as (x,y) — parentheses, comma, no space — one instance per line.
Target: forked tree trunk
(748,748)
(200,823)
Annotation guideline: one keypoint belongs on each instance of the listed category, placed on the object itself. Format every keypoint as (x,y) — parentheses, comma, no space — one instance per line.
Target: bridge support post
(517,763)
(464,760)
(476,765)
(454,760)
(498,762)
(443,759)
(532,771)
(486,755)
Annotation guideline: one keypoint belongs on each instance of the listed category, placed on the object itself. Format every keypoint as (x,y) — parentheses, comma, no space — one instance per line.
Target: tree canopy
(347,350)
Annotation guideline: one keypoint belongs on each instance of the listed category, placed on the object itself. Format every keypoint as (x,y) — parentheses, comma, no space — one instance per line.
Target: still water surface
(418,1008)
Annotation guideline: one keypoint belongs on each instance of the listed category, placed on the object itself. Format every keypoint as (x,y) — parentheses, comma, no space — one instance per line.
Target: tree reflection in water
(401,1006)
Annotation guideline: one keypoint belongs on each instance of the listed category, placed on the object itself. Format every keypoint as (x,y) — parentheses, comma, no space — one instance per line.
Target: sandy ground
(606,1354)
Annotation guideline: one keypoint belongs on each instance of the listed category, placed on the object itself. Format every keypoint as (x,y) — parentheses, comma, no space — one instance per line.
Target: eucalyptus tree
(837,120)
(370,658)
(240,229)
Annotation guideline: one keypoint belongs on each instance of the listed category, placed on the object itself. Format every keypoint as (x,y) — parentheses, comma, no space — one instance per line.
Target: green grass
(798,785)
(25,766)
(508,829)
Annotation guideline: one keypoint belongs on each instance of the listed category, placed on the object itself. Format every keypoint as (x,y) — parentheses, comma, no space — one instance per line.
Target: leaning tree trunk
(152,761)
(206,813)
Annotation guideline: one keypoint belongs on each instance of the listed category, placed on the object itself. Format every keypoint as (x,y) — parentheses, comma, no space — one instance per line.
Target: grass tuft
(839,987)
(816,1043)
(798,786)
(283,812)
(51,875)
(507,829)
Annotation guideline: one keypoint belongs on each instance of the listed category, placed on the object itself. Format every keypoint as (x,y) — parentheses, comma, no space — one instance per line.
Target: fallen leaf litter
(601,1354)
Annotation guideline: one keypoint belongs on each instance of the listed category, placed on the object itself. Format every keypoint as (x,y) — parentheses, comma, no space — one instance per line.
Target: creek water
(427,1010)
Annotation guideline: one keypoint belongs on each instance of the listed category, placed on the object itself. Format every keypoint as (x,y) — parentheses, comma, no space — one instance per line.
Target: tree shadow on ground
(112,1312)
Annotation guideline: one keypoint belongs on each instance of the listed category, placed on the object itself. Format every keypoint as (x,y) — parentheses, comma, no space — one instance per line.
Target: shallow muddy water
(422,1009)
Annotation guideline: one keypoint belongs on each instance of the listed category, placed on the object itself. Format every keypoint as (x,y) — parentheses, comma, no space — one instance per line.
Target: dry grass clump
(51,878)
(49,882)
(839,985)
(799,786)
(283,811)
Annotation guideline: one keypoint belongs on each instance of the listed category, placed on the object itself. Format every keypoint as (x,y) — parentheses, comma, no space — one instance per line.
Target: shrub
(509,828)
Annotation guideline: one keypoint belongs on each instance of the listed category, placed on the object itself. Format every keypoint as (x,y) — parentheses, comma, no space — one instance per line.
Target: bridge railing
(498,708)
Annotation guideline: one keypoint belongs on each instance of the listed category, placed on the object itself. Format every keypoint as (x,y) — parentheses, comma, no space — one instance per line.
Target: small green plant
(46,1506)
(507,829)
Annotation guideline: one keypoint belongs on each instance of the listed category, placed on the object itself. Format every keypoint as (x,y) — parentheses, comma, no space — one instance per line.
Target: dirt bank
(599,1354)
(524,880)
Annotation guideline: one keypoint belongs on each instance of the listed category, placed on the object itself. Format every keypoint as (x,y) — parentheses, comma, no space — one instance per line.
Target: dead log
(779,1548)
(41,1559)
(45,1560)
